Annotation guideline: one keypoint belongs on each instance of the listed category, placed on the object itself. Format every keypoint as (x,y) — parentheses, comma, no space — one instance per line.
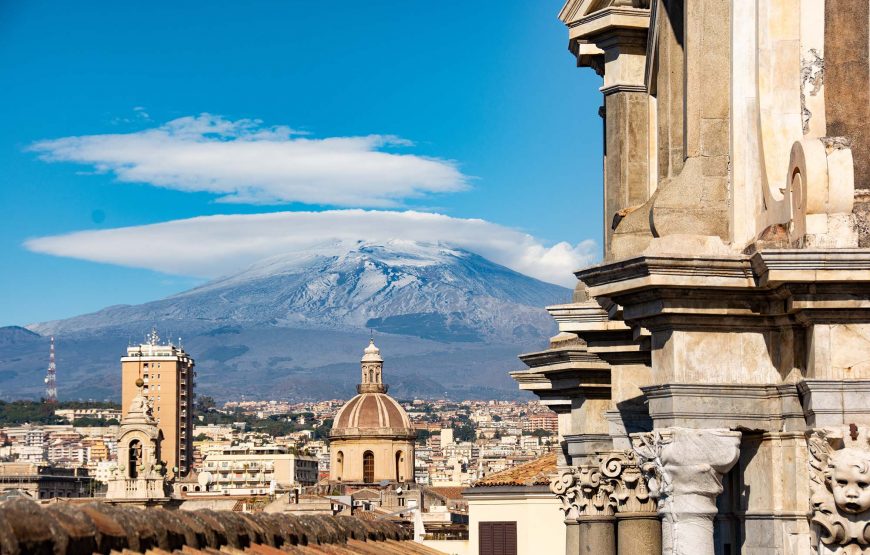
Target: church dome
(370,414)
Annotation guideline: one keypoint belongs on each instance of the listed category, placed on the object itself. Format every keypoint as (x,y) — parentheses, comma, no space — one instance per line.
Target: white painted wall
(538,514)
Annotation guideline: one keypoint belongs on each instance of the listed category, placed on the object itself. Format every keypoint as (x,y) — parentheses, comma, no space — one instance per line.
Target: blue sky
(464,109)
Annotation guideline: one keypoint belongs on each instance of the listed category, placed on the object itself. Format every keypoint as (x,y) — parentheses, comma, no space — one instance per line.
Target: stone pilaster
(685,469)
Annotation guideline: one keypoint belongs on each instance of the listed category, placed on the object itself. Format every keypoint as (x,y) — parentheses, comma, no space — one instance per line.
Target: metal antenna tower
(51,377)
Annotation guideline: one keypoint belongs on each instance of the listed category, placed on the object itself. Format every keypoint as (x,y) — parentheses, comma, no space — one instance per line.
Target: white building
(249,469)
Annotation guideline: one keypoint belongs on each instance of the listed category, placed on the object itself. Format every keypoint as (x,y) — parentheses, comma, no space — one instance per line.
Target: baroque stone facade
(712,374)
(139,475)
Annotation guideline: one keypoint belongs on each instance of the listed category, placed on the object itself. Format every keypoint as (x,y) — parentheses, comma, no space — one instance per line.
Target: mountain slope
(449,322)
(403,287)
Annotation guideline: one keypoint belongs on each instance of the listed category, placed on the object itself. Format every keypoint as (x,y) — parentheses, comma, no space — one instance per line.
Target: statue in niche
(839,492)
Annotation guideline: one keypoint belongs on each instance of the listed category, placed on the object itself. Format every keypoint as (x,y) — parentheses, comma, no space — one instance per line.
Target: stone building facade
(139,473)
(712,374)
(372,439)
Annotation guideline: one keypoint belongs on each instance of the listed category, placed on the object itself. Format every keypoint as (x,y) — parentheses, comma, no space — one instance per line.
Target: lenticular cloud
(213,246)
(245,162)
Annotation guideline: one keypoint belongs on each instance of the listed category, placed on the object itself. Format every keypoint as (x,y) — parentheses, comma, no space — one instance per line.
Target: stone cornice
(765,290)
(775,267)
(608,338)
(756,407)
(622,87)
(574,358)
(399,434)
(618,25)
(608,19)
(618,278)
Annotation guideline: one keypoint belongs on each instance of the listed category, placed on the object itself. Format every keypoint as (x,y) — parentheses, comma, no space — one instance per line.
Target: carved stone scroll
(629,491)
(582,492)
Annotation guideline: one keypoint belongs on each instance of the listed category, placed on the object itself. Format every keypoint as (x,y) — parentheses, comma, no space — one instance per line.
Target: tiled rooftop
(447,492)
(533,473)
(65,529)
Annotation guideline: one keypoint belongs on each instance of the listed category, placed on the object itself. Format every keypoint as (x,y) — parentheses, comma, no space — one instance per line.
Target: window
(339,465)
(134,458)
(497,538)
(399,459)
(368,467)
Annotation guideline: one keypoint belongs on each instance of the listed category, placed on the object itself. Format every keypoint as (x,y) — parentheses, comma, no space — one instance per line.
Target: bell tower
(372,367)
(139,474)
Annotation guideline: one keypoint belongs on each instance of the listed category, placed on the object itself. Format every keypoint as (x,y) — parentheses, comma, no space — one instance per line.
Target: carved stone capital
(685,469)
(839,466)
(629,490)
(582,492)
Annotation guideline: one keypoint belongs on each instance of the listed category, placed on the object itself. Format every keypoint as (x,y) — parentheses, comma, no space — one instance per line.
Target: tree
(423,436)
(205,402)
(322,431)
(464,432)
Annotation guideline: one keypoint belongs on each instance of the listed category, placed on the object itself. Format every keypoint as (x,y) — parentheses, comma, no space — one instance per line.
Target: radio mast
(51,377)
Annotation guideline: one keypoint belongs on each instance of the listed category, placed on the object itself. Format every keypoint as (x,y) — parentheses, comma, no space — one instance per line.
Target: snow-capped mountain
(405,287)
(448,321)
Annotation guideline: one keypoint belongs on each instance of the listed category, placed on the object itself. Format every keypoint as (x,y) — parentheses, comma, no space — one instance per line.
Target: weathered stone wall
(847,93)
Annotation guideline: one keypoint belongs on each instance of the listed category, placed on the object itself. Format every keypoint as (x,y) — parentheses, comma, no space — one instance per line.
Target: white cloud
(212,246)
(245,162)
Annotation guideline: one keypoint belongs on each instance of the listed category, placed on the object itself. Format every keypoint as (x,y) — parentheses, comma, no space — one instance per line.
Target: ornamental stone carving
(685,469)
(839,465)
(583,492)
(629,492)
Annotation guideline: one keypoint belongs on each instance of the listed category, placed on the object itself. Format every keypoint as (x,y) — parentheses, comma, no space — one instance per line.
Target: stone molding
(771,408)
(765,290)
(622,87)
(684,468)
(839,467)
(559,374)
(835,402)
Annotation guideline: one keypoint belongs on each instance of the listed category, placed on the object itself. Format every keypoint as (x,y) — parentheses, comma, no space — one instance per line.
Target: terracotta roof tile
(533,473)
(447,492)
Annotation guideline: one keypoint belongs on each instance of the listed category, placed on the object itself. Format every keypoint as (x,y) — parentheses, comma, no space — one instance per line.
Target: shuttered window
(368,467)
(498,538)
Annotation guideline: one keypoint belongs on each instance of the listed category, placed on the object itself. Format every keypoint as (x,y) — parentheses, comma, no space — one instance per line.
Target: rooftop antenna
(51,377)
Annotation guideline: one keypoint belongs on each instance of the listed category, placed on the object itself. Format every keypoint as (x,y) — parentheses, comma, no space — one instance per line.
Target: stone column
(685,468)
(638,529)
(586,501)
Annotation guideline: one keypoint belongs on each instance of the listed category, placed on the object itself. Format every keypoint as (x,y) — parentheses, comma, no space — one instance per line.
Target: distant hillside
(449,322)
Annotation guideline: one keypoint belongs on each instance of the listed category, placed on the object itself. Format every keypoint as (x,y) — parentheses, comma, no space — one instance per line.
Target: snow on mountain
(449,322)
(451,293)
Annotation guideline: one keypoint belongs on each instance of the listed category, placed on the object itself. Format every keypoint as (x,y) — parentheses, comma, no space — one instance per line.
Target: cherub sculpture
(840,493)
(848,474)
